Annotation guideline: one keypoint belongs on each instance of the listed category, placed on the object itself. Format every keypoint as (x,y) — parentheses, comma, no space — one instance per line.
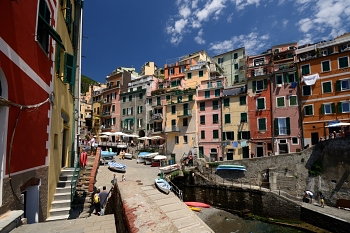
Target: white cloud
(198,39)
(241,4)
(213,7)
(253,43)
(184,11)
(285,22)
(229,18)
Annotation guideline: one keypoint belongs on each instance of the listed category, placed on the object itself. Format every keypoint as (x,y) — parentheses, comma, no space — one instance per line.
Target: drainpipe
(272,120)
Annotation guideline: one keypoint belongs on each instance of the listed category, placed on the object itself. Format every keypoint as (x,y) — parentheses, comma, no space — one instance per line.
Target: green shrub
(316,169)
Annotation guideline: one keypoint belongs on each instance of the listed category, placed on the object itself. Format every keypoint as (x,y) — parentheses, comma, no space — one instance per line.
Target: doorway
(259,151)
(64,135)
(314,138)
(245,152)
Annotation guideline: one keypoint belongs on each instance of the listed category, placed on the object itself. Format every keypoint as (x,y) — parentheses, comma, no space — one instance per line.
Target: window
(243,135)
(158,100)
(305,69)
(215,118)
(202,134)
(326,66)
(140,96)
(42,33)
(262,124)
(215,104)
(259,61)
(228,135)
(149,101)
(260,103)
(190,97)
(217,92)
(139,109)
(139,123)
(179,99)
(161,86)
(202,106)
(235,55)
(293,100)
(218,84)
(226,102)
(171,71)
(307,90)
(295,141)
(182,69)
(220,60)
(207,94)
(343,107)
(236,78)
(189,75)
(308,110)
(209,84)
(202,120)
(130,97)
(176,139)
(343,62)
(200,73)
(342,85)
(185,122)
(259,85)
(113,108)
(328,108)
(69,74)
(291,77)
(124,111)
(185,140)
(167,97)
(282,126)
(244,117)
(173,109)
(279,79)
(227,118)
(280,102)
(327,87)
(173,122)
(236,66)
(215,134)
(242,100)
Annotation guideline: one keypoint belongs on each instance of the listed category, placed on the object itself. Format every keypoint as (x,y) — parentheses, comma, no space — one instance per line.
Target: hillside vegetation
(85,83)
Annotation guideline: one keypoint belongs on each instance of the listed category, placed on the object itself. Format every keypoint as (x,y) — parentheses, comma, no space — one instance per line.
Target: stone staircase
(60,207)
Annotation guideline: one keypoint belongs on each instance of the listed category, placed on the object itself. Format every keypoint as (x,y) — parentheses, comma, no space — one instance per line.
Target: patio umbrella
(104,136)
(144,138)
(160,157)
(119,133)
(107,133)
(156,137)
(131,135)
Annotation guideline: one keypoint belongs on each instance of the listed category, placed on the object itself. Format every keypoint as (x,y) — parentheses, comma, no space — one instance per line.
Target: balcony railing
(185,113)
(106,113)
(157,130)
(173,128)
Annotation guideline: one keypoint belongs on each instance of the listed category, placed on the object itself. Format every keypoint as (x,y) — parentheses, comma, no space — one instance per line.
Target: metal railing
(75,178)
(175,190)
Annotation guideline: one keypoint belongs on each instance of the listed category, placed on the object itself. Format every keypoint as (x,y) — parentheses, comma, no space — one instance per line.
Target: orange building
(325,87)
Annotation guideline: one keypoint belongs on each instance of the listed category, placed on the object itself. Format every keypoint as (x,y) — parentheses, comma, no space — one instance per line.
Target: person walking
(103,199)
(97,203)
(322,199)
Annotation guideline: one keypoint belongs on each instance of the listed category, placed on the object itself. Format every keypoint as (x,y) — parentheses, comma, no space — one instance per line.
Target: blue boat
(163,185)
(117,167)
(108,154)
(231,167)
(141,157)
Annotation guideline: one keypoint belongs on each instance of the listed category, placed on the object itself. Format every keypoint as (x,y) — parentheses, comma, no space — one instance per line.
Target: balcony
(211,86)
(106,113)
(198,66)
(173,128)
(185,113)
(284,67)
(157,131)
(156,117)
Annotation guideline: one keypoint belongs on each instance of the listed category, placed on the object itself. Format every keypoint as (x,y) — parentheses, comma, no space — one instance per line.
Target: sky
(129,33)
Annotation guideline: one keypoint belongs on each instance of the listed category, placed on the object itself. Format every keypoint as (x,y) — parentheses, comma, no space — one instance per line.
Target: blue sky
(132,32)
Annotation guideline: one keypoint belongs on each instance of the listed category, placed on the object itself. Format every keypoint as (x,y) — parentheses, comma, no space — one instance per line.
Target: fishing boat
(168,169)
(163,185)
(231,167)
(149,157)
(197,204)
(108,154)
(195,209)
(141,157)
(117,167)
(128,156)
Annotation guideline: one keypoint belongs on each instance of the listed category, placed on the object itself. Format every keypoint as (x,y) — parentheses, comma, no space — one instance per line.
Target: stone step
(69,177)
(60,204)
(67,171)
(63,189)
(62,196)
(64,184)
(57,217)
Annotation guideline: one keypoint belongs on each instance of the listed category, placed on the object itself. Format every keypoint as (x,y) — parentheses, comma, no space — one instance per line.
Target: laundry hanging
(310,79)
(235,144)
(243,143)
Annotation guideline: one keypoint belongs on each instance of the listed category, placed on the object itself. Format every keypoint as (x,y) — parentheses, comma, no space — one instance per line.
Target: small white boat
(128,156)
(149,157)
(163,185)
(117,167)
(168,169)
(141,157)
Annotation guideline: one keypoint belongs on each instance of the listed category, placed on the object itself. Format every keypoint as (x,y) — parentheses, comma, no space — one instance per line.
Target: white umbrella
(156,137)
(104,136)
(131,135)
(119,133)
(338,124)
(107,133)
(144,138)
(160,157)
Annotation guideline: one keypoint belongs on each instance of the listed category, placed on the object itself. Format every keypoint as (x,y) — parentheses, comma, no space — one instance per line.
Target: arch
(142,133)
(4,113)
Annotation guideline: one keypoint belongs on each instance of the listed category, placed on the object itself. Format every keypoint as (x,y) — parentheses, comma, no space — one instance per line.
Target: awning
(338,124)
(53,33)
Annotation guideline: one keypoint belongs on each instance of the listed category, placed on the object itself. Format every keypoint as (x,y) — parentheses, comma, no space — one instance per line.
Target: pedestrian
(123,178)
(310,194)
(103,199)
(114,181)
(97,202)
(322,199)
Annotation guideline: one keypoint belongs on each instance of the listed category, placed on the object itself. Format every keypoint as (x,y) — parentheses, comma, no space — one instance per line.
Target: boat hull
(128,156)
(169,169)
(163,185)
(116,167)
(197,204)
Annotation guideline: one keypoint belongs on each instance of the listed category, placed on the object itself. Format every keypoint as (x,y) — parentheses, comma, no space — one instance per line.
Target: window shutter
(265,83)
(248,134)
(287,77)
(340,109)
(58,59)
(68,68)
(288,125)
(333,107)
(275,123)
(322,109)
(254,86)
(239,135)
(337,85)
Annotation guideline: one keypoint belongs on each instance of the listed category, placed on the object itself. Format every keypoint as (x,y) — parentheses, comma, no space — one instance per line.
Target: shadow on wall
(230,174)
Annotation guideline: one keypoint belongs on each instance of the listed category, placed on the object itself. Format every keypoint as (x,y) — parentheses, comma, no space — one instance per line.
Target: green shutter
(69,68)
(288,125)
(58,59)
(340,109)
(265,84)
(338,85)
(275,124)
(287,77)
(333,107)
(68,14)
(239,135)
(322,109)
(254,86)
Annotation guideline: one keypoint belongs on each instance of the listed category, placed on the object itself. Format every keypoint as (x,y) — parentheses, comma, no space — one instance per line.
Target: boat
(149,157)
(231,167)
(141,157)
(157,160)
(163,185)
(117,167)
(108,154)
(128,156)
(195,209)
(197,204)
(168,169)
